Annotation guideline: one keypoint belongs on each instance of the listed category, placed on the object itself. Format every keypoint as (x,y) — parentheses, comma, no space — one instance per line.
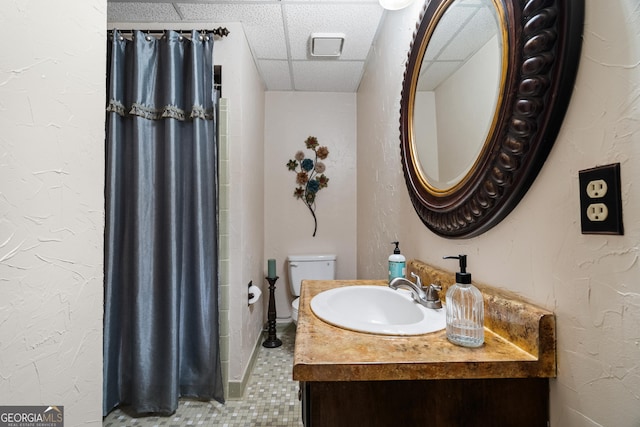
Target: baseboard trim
(236,389)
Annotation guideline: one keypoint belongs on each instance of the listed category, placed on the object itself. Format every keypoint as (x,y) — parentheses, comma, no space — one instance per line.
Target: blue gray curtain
(161,329)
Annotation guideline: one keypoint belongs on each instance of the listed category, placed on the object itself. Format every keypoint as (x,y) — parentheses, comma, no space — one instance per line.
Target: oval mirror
(484,94)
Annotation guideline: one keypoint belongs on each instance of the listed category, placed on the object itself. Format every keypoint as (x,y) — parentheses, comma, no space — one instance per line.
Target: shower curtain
(161,330)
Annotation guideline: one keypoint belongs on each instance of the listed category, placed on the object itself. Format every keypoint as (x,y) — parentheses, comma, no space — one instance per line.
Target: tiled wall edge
(223,239)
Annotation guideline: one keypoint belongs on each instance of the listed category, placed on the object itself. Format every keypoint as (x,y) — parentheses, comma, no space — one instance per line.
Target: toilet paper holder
(254,293)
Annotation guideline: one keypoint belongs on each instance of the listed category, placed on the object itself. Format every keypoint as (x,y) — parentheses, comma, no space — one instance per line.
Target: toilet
(308,267)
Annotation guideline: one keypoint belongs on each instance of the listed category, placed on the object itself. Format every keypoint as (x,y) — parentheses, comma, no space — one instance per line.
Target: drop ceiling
(278,34)
(462,31)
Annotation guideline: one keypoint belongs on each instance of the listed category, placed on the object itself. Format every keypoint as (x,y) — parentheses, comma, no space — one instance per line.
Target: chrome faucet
(429,299)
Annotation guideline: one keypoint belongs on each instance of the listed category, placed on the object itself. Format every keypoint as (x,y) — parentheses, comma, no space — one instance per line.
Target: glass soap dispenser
(465,309)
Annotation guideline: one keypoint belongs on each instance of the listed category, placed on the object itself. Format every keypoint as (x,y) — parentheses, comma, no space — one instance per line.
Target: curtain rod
(220,31)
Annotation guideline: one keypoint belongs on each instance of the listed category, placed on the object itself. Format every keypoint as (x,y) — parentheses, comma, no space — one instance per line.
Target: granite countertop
(327,353)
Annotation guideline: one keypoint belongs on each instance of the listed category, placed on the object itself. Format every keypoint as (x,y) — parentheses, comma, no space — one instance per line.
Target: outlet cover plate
(612,199)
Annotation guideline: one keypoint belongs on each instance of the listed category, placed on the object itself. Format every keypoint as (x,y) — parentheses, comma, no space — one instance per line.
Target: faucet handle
(432,292)
(432,295)
(418,280)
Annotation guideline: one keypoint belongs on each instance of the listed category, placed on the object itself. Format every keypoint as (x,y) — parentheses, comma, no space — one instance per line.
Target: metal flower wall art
(310,177)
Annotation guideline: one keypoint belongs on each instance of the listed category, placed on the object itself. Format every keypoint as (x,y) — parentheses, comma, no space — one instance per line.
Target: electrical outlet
(597,188)
(597,212)
(600,200)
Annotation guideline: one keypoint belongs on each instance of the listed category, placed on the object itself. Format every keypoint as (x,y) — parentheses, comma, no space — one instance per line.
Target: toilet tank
(310,267)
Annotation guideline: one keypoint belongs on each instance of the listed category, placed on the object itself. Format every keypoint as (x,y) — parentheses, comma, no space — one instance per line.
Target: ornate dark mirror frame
(543,39)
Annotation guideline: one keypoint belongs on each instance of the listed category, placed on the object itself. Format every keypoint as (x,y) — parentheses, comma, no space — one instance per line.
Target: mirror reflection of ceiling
(464,28)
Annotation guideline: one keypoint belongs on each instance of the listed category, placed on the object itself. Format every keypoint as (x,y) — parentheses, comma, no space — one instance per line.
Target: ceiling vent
(327,44)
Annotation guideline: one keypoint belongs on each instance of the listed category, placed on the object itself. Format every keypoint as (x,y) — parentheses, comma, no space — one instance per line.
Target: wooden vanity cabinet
(351,379)
(518,402)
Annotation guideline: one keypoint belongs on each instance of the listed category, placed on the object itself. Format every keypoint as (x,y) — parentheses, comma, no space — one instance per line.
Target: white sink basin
(376,310)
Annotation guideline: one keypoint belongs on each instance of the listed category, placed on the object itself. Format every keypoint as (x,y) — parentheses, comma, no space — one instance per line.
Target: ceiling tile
(275,74)
(327,76)
(359,23)
(435,73)
(450,25)
(262,23)
(277,32)
(359,2)
(141,12)
(477,31)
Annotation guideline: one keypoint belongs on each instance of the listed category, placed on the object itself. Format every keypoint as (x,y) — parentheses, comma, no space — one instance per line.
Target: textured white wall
(290,118)
(52,99)
(383,201)
(592,283)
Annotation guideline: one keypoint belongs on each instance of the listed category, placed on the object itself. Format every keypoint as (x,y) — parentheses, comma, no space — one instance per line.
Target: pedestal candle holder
(272,340)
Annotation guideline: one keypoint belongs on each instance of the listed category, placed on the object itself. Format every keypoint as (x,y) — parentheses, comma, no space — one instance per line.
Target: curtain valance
(168,111)
(150,85)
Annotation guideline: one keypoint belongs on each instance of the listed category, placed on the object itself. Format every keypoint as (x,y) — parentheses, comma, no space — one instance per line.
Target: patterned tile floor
(271,398)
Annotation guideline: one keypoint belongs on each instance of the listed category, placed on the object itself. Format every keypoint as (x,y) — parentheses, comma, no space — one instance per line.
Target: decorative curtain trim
(169,111)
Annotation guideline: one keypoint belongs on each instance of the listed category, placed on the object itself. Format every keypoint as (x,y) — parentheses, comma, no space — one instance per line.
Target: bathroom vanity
(357,379)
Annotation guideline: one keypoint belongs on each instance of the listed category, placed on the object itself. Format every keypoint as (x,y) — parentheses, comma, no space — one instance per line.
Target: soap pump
(397,263)
(464,309)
